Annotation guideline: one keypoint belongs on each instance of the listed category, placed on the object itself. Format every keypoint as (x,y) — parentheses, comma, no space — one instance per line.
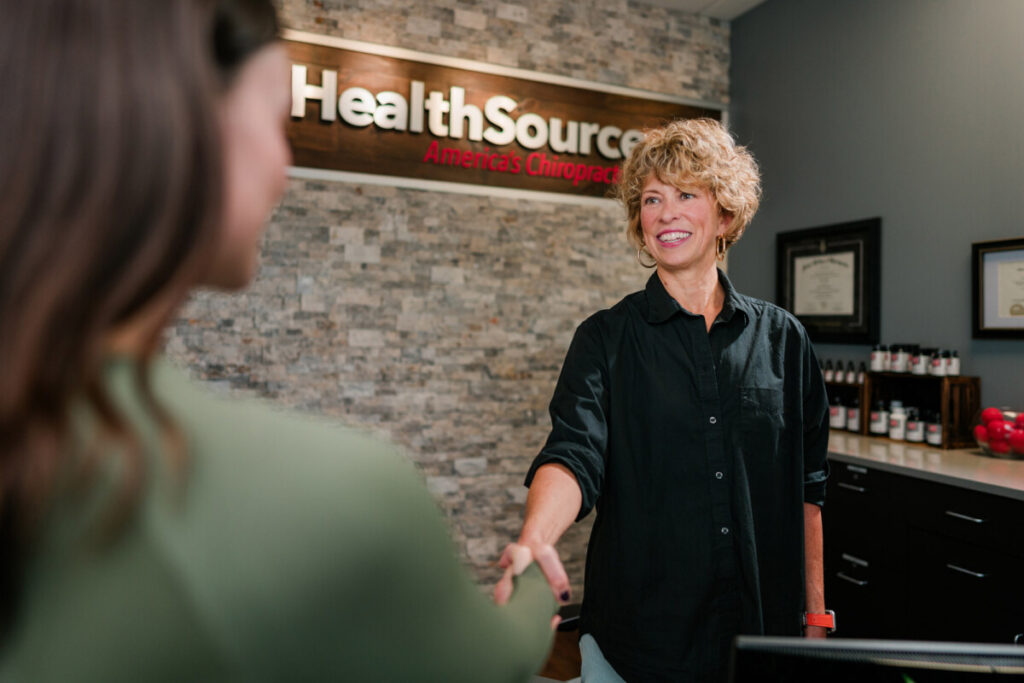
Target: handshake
(517,557)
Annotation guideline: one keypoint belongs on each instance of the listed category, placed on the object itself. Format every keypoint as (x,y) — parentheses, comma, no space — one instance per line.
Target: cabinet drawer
(959,591)
(978,518)
(860,591)
(857,490)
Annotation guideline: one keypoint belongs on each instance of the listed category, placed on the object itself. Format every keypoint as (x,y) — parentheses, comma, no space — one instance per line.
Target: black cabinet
(914,559)
(862,558)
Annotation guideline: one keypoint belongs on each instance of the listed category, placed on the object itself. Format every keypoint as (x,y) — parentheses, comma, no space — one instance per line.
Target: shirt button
(713,419)
(725,530)
(718,475)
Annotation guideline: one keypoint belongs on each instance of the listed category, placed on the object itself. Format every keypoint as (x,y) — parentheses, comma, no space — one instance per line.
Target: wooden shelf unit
(957,399)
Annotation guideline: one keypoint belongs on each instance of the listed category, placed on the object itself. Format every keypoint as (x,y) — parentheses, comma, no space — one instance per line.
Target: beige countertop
(966,468)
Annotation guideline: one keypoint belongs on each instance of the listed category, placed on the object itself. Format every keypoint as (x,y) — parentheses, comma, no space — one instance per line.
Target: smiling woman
(681,228)
(694,419)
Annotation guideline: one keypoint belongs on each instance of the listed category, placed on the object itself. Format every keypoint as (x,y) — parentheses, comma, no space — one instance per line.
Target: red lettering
(450,156)
(579,172)
(467,159)
(536,156)
(553,167)
(431,154)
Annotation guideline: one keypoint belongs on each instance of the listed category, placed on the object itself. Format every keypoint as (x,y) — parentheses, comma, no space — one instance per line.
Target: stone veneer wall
(440,320)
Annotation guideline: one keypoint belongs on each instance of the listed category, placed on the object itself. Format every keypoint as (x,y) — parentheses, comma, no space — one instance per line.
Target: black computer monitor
(764,659)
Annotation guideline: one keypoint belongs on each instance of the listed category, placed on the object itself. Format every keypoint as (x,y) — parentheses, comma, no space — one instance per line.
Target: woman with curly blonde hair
(694,418)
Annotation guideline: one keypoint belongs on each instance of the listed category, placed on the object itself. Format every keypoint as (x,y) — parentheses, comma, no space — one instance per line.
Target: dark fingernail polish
(564,596)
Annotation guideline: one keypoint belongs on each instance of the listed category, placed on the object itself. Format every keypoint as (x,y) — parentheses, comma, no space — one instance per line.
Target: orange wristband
(827,620)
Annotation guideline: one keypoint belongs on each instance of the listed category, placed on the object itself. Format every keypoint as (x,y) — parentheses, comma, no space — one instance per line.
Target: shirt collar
(661,306)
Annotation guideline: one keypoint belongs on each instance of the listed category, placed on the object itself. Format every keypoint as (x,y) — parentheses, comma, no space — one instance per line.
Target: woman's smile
(673,238)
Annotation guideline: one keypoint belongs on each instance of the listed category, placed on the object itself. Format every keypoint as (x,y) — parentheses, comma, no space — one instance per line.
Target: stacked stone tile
(440,320)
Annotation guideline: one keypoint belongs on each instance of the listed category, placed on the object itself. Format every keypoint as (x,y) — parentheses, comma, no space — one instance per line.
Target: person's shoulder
(254,438)
(298,481)
(765,311)
(299,520)
(617,314)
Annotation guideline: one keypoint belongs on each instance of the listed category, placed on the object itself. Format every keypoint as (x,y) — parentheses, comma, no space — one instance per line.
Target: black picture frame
(988,297)
(843,306)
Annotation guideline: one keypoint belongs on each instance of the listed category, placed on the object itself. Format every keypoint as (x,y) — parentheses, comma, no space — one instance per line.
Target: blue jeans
(595,668)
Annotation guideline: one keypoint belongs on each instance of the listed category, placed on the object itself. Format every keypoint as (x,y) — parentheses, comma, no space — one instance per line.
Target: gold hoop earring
(640,260)
(721,248)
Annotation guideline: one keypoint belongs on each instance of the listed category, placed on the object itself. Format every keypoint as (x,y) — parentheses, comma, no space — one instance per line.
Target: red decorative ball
(1016,441)
(1001,447)
(981,434)
(1019,421)
(999,430)
(990,414)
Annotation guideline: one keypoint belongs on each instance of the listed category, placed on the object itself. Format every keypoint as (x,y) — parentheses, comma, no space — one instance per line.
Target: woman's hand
(517,557)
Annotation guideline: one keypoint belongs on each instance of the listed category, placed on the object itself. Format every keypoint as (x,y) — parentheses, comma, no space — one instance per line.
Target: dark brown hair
(111,194)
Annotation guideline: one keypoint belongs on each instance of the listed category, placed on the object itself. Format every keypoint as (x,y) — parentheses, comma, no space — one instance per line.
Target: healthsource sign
(369,109)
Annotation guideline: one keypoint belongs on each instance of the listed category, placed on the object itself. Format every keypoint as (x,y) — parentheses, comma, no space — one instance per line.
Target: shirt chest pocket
(762,419)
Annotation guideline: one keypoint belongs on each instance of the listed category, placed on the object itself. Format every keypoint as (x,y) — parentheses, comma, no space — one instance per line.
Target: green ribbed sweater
(296,551)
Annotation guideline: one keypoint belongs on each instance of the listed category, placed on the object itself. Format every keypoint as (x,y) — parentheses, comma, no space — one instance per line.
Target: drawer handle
(966,571)
(850,579)
(851,487)
(858,470)
(966,518)
(855,560)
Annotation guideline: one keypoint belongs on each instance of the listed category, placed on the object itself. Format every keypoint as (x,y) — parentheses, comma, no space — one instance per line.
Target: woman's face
(256,155)
(680,225)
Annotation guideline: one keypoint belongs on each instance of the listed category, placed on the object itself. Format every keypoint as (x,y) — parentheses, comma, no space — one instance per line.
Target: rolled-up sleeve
(815,447)
(579,409)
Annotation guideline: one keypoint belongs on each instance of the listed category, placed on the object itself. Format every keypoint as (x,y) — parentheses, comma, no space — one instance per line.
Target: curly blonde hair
(686,152)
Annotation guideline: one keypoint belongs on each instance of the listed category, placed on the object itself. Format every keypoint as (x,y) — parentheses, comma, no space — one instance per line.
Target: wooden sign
(361,111)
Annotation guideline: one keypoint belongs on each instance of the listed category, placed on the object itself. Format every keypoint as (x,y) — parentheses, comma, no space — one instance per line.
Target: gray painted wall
(910,110)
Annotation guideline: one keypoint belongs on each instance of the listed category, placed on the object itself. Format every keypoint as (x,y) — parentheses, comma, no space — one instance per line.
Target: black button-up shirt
(698,449)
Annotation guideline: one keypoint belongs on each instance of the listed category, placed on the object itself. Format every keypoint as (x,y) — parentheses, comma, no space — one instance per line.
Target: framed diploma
(828,277)
(997,274)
